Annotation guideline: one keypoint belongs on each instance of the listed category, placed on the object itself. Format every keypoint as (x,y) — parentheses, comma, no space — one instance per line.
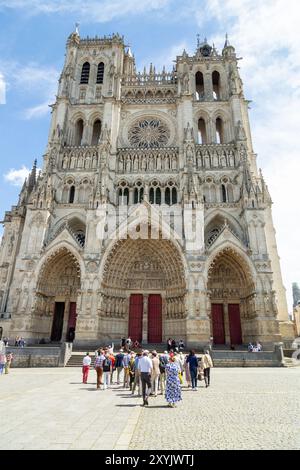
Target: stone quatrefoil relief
(149,133)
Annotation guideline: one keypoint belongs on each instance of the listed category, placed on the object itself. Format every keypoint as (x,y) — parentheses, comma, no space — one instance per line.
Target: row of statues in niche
(175,307)
(151,162)
(80,160)
(113,306)
(215,159)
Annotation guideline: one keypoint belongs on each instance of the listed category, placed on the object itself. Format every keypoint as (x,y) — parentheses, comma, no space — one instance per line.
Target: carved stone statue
(188,132)
(240,131)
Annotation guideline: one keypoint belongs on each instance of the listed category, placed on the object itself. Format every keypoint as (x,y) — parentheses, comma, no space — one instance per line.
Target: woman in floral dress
(173,390)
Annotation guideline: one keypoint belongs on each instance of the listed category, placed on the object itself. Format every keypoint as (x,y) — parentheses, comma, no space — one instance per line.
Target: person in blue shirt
(193,364)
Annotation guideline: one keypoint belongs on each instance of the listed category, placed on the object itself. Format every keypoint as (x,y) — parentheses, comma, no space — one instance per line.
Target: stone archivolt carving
(149,133)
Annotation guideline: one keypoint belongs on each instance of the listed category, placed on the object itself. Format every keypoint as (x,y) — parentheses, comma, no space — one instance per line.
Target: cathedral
(149,218)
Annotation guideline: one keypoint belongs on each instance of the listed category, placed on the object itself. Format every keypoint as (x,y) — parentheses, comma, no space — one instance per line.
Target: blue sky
(265,33)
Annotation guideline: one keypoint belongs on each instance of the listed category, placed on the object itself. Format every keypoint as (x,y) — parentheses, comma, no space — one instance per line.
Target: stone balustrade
(148,160)
(145,79)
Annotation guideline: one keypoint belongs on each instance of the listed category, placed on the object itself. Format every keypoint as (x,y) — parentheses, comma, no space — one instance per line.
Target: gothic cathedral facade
(149,217)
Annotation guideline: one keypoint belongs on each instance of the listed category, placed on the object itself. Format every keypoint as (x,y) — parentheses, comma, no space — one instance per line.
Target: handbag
(200,375)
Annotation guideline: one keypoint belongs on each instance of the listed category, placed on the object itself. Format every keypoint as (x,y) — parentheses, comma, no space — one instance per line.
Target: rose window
(149,133)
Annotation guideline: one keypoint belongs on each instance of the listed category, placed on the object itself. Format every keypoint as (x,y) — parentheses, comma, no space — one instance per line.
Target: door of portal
(217,314)
(135,326)
(235,327)
(58,321)
(154,318)
(71,322)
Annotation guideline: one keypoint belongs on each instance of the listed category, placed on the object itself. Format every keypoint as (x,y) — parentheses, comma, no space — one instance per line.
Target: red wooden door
(154,318)
(218,323)
(71,322)
(235,324)
(72,316)
(135,326)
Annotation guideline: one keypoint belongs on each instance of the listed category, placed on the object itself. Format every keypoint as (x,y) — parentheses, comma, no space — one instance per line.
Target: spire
(32,175)
(77,29)
(227,43)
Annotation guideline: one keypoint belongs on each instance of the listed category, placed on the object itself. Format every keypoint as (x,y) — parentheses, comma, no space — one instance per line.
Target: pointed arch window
(174,196)
(223,193)
(96,132)
(168,196)
(219,131)
(78,132)
(216,85)
(100,73)
(199,86)
(138,194)
(202,136)
(85,73)
(72,194)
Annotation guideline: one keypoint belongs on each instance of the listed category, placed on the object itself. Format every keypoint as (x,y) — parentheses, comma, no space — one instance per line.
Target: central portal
(152,318)
(143,291)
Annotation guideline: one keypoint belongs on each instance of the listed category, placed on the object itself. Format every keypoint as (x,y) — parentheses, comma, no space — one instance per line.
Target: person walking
(126,360)
(187,372)
(99,367)
(169,344)
(145,366)
(137,375)
(113,364)
(155,373)
(131,370)
(119,364)
(163,361)
(207,364)
(173,389)
(2,362)
(193,363)
(86,367)
(107,368)
(9,357)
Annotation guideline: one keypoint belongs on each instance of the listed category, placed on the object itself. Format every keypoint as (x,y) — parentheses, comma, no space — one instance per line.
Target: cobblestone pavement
(51,409)
(243,409)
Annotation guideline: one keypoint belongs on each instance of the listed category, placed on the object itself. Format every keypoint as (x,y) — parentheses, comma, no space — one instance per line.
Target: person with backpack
(193,363)
(163,361)
(107,369)
(207,365)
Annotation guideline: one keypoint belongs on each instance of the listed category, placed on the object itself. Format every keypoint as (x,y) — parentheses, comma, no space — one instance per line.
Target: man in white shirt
(145,366)
(86,367)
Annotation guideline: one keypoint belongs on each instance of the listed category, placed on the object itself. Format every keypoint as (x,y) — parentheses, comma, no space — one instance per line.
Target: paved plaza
(243,409)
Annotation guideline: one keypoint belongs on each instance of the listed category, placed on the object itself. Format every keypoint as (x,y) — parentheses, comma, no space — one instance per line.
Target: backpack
(162,364)
(106,365)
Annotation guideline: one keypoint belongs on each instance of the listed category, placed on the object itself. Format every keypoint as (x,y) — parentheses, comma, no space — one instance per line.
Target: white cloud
(93,10)
(37,111)
(2,90)
(31,80)
(17,177)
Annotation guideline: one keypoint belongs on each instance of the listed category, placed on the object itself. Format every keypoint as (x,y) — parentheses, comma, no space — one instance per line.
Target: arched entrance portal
(56,296)
(231,290)
(143,285)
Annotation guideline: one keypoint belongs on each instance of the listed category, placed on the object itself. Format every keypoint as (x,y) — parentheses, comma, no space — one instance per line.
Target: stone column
(226,323)
(66,319)
(145,319)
